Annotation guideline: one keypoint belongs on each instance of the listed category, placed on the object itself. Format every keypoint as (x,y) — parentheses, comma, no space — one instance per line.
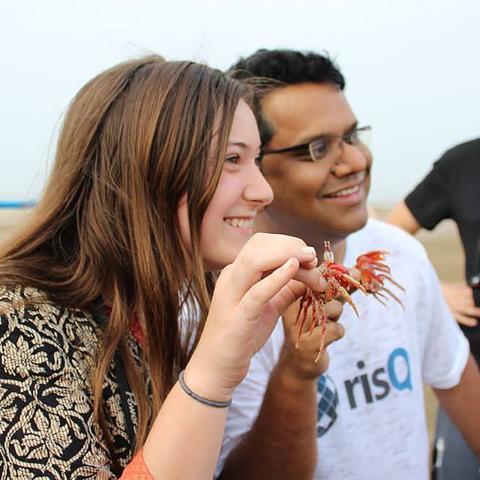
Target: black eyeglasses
(321,147)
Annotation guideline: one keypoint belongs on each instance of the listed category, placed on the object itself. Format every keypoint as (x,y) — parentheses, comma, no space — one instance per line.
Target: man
(369,419)
(450,190)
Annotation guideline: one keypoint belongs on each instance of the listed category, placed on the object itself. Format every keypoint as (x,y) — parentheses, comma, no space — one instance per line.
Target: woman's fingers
(311,278)
(295,288)
(264,290)
(265,253)
(311,264)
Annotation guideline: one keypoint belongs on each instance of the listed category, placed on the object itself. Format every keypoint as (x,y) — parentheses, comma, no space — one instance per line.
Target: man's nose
(351,159)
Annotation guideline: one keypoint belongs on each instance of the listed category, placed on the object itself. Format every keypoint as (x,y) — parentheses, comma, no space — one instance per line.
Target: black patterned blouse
(47,429)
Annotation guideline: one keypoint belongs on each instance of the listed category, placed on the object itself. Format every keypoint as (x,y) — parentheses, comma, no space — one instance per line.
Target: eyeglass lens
(321,147)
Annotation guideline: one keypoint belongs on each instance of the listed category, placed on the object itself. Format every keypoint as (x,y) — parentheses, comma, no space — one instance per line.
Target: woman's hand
(268,275)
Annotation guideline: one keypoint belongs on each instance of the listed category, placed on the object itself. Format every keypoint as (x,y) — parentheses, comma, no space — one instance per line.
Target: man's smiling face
(328,195)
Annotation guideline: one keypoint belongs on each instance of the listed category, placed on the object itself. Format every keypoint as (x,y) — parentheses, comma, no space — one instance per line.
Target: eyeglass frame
(308,146)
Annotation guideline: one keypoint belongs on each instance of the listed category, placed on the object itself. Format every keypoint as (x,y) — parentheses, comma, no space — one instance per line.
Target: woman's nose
(257,189)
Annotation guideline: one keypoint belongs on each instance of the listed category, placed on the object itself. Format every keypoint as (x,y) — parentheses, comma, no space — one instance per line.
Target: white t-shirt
(371,418)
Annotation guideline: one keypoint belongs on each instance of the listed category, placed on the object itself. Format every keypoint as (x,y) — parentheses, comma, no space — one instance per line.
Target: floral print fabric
(47,430)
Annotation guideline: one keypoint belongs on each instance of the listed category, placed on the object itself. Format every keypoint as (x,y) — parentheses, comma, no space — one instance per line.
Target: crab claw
(373,274)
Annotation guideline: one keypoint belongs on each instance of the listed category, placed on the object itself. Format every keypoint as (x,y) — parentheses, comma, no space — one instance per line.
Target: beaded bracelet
(198,398)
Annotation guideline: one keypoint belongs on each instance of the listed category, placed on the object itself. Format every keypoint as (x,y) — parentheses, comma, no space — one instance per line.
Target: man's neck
(310,235)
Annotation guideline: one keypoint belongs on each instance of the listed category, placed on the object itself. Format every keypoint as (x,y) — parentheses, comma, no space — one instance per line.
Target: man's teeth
(240,222)
(345,192)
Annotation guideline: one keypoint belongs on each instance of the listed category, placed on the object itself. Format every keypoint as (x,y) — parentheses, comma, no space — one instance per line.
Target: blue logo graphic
(403,364)
(377,385)
(327,404)
(366,388)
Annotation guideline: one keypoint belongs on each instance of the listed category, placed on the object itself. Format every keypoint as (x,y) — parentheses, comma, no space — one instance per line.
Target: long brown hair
(134,141)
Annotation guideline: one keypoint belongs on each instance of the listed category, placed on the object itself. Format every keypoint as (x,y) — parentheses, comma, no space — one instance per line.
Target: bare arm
(282,443)
(186,437)
(458,295)
(184,428)
(402,217)
(462,404)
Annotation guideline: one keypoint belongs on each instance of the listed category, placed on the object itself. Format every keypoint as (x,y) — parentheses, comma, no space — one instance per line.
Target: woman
(106,292)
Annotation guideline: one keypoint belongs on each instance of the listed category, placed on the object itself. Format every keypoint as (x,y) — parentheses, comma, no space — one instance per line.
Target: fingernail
(288,264)
(309,251)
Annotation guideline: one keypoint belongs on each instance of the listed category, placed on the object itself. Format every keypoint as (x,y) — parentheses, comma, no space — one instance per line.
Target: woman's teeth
(240,222)
(345,192)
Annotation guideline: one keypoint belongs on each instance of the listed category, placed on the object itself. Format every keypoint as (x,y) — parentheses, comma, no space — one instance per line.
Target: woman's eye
(233,159)
(258,161)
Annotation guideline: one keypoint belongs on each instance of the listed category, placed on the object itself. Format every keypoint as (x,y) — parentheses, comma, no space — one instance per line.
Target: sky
(412,68)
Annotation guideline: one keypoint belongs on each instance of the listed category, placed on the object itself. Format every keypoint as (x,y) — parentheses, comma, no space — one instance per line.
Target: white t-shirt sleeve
(445,348)
(248,396)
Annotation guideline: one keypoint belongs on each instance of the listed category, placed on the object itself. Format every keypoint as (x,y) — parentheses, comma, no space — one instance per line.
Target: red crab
(372,271)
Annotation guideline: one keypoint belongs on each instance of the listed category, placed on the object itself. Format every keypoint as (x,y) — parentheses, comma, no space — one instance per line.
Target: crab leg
(315,306)
(304,305)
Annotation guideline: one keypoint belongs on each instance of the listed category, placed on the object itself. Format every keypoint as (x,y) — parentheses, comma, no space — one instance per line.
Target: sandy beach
(9,220)
(443,247)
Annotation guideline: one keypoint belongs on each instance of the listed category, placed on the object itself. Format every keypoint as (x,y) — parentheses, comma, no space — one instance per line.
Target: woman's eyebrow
(244,146)
(238,144)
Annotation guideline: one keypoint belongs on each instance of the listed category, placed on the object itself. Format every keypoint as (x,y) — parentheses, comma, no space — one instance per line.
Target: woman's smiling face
(241,193)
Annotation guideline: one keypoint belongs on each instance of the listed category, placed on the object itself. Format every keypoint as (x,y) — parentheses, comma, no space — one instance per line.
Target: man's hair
(289,67)
(279,68)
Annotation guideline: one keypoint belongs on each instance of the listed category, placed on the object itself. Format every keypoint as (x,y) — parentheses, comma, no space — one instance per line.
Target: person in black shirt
(452,190)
